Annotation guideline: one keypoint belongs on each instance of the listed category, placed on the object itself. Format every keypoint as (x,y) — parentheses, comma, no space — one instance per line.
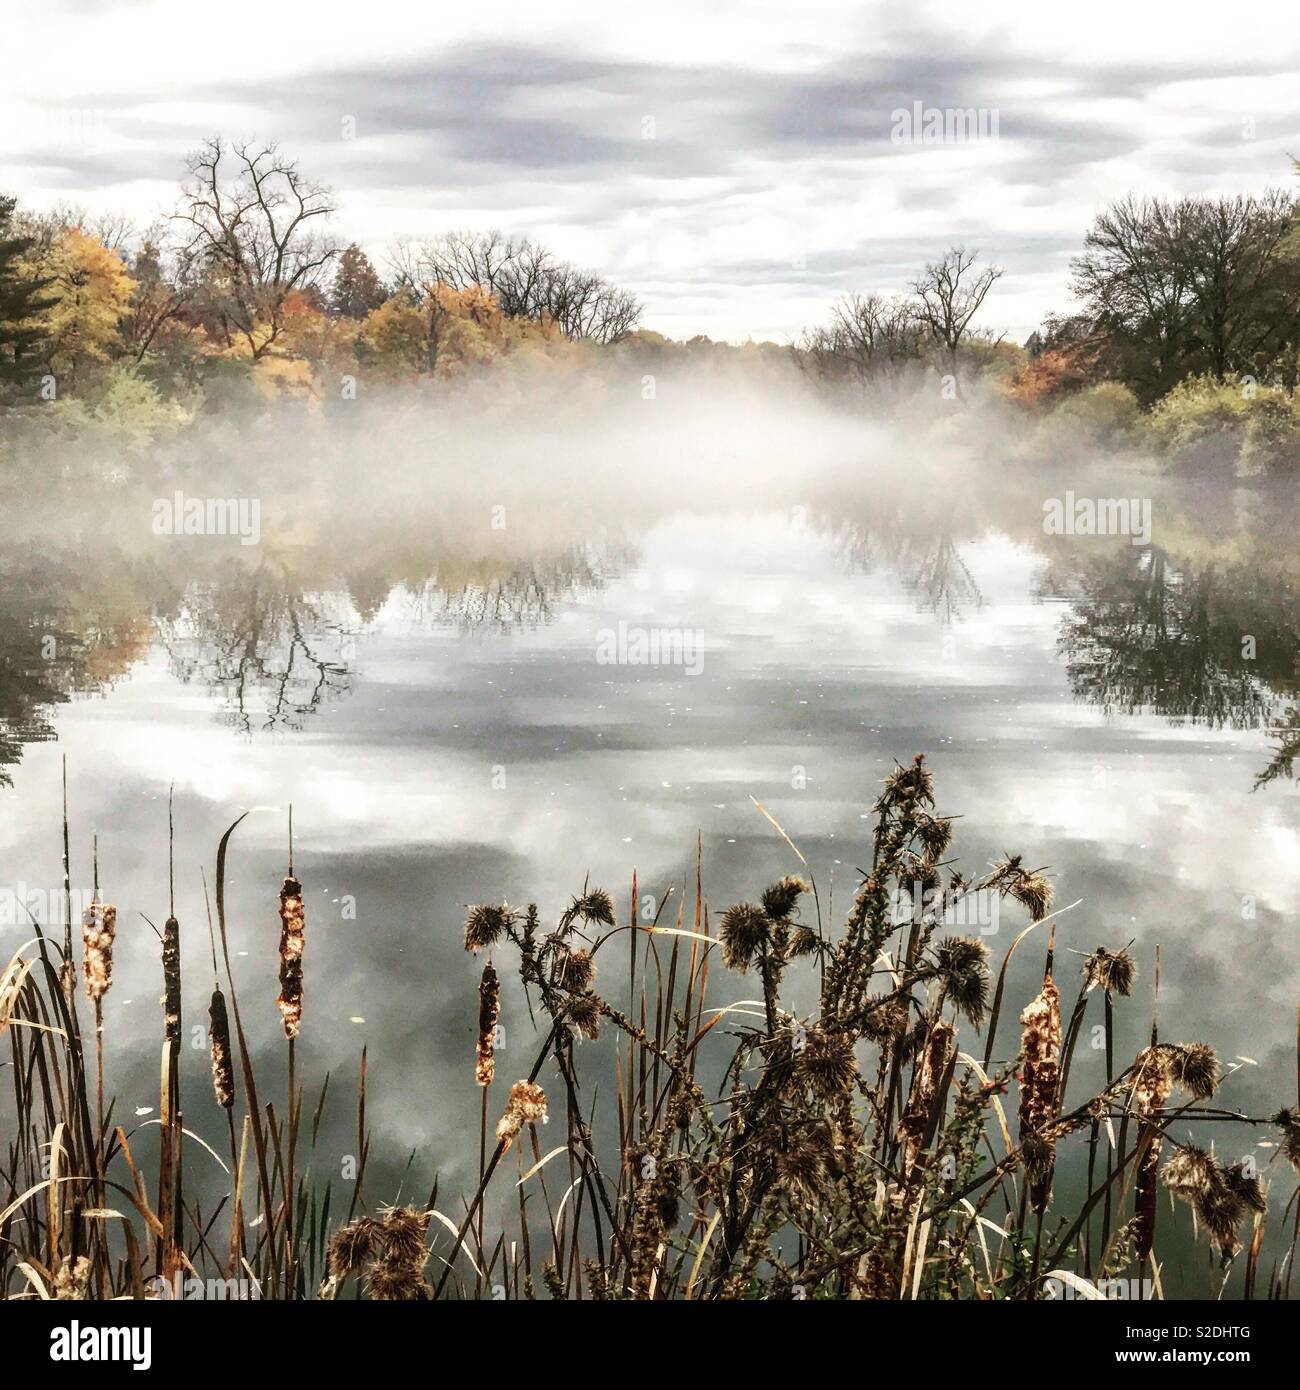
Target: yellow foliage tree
(92,298)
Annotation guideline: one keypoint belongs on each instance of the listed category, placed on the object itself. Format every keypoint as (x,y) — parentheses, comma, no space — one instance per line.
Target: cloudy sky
(734,164)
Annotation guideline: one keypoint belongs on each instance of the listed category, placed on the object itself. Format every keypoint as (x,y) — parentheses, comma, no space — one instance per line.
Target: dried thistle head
(574,970)
(1190,1172)
(98,930)
(351,1246)
(1288,1121)
(744,933)
(827,1064)
(293,922)
(489,1010)
(595,906)
(1195,1068)
(781,899)
(1244,1183)
(802,1165)
(526,1105)
(485,923)
(910,783)
(400,1238)
(1027,886)
(1112,971)
(583,1011)
(935,833)
(223,1072)
(883,1020)
(963,963)
(804,941)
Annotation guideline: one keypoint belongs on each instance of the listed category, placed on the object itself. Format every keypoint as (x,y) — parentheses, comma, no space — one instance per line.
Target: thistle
(1110,971)
(485,924)
(744,934)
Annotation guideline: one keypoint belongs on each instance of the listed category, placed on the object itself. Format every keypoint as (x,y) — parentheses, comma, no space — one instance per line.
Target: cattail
(1040,1079)
(72,1279)
(489,1010)
(1153,1080)
(526,1106)
(927,1072)
(223,1073)
(292,923)
(98,928)
(171,959)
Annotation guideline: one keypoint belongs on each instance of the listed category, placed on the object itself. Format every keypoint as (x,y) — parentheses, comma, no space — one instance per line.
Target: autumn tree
(23,299)
(253,228)
(872,343)
(357,288)
(91,297)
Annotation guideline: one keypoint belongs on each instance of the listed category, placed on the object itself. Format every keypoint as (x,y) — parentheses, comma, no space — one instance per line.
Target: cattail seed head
(171,959)
(98,930)
(489,1010)
(526,1105)
(223,1073)
(1040,1048)
(292,939)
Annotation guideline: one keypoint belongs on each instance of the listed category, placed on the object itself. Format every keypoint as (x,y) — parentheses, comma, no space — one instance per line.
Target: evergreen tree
(22,300)
(357,289)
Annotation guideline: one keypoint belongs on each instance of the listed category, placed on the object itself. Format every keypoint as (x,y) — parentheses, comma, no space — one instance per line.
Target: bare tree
(873,343)
(253,225)
(949,294)
(526,279)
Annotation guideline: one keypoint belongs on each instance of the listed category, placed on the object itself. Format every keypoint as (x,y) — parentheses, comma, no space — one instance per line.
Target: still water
(455,731)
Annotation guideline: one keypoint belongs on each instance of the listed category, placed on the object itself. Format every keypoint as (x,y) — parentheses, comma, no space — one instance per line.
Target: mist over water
(499,655)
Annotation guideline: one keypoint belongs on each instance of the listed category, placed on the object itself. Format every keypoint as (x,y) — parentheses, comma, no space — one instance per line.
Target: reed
(748,1149)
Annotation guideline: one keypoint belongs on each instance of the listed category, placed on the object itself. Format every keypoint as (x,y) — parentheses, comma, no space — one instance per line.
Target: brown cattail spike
(1040,1047)
(171,958)
(98,929)
(223,1073)
(526,1105)
(292,924)
(489,1010)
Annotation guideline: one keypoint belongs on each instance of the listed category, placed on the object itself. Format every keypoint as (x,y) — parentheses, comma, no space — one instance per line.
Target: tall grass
(863,1149)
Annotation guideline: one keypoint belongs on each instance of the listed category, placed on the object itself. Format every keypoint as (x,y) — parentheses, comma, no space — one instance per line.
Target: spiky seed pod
(935,833)
(1189,1172)
(883,1020)
(596,907)
(98,930)
(485,924)
(802,1164)
(292,940)
(826,1063)
(223,1072)
(526,1105)
(1195,1068)
(781,899)
(489,1010)
(351,1246)
(575,970)
(584,1013)
(744,933)
(803,942)
(400,1238)
(1034,894)
(1288,1121)
(1040,1079)
(963,963)
(1112,971)
(913,782)
(171,960)
(1246,1186)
